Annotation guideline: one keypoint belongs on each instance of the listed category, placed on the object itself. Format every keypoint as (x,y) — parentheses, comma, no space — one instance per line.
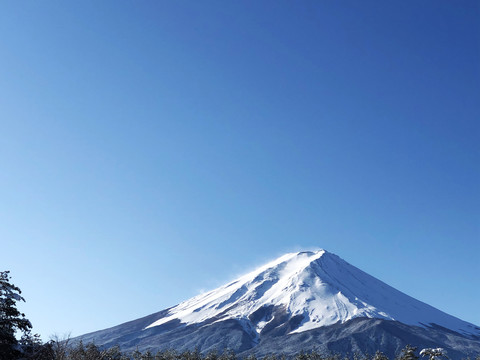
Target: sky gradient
(151,150)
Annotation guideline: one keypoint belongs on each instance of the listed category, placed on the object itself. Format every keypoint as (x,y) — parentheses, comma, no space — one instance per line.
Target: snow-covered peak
(317,286)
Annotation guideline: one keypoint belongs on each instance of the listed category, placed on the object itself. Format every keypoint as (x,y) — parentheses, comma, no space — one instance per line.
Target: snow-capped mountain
(319,287)
(300,301)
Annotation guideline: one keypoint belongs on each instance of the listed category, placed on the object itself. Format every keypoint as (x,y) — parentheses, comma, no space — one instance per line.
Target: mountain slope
(318,286)
(299,301)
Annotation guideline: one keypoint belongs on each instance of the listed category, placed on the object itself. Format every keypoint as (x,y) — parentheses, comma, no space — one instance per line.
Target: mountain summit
(315,287)
(300,301)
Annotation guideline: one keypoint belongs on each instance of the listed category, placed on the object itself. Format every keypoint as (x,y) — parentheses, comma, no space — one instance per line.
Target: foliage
(380,356)
(434,354)
(11,320)
(408,353)
(65,350)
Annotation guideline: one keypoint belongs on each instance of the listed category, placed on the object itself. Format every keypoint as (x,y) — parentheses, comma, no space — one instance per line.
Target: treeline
(64,350)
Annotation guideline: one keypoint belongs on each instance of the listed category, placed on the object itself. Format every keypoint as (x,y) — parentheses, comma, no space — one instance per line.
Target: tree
(33,348)
(60,346)
(11,320)
(408,353)
(380,356)
(434,354)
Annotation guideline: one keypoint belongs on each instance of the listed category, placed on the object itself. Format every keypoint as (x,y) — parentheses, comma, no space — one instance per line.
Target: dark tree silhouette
(11,320)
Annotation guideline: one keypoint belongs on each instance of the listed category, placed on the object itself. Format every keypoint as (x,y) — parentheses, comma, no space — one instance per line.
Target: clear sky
(150,150)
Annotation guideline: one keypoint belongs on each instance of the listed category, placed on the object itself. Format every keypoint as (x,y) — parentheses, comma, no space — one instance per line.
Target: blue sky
(151,150)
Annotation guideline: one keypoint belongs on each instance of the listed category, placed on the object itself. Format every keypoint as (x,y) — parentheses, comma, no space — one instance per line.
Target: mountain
(300,301)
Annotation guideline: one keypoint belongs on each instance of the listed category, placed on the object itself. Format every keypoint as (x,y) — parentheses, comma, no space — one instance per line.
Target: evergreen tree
(408,353)
(11,320)
(32,348)
(212,355)
(301,356)
(434,354)
(137,355)
(380,356)
(114,353)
